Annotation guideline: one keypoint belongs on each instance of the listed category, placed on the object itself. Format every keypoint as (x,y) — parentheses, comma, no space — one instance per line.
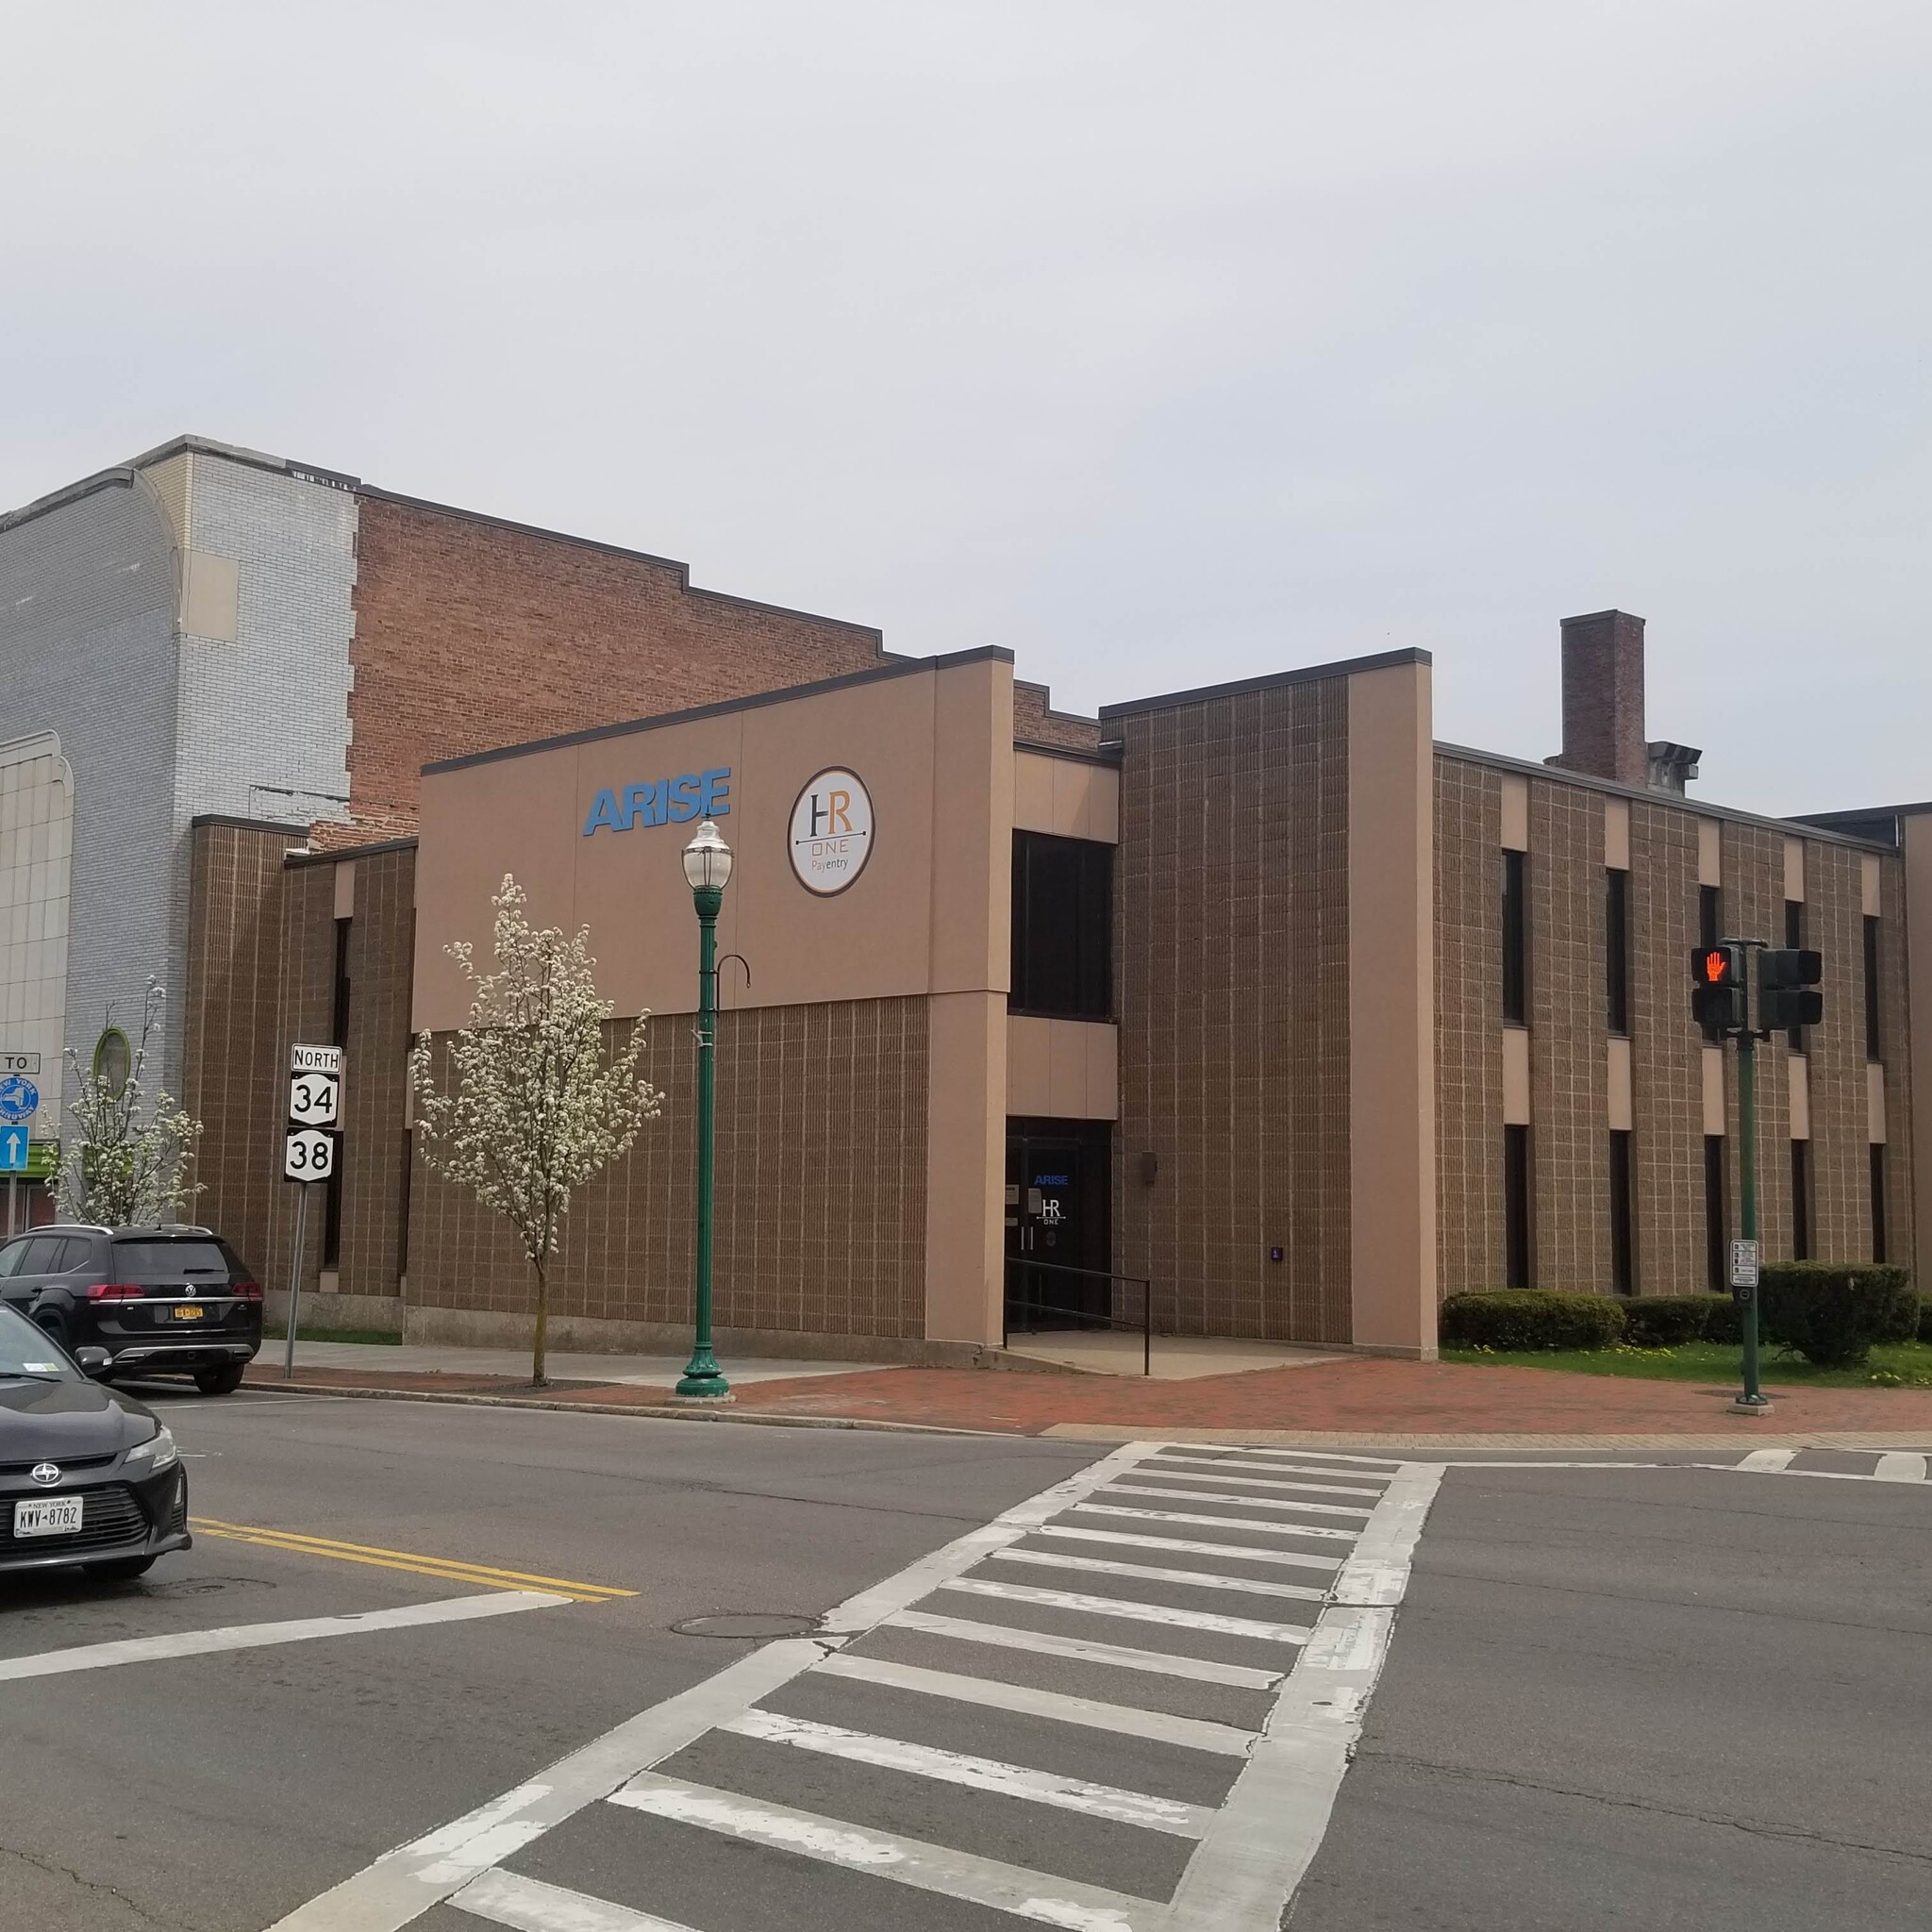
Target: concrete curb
(653,1411)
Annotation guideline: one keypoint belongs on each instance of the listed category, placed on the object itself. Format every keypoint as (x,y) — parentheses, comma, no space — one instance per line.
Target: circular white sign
(831,831)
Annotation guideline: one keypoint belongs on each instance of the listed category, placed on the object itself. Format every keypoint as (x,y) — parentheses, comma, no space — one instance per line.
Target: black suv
(160,1300)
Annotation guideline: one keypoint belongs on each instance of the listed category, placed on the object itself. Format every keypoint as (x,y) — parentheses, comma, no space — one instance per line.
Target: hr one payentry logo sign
(831,831)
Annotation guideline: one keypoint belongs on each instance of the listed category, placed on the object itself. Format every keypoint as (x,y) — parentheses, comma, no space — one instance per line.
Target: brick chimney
(1602,697)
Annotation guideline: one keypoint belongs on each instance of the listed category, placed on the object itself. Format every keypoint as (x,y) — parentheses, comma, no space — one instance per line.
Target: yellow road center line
(287,1549)
(429,1565)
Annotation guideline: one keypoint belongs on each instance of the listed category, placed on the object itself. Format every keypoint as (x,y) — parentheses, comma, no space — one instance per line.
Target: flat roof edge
(1562,774)
(908,667)
(334,855)
(1274,680)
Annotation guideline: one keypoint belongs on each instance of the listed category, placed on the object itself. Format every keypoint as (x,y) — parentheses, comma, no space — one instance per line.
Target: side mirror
(93,1362)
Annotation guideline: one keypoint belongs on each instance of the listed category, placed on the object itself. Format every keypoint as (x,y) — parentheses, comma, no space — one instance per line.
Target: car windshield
(153,1261)
(25,1351)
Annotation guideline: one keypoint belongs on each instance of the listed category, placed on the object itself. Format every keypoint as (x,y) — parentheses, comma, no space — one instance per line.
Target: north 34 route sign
(315,1100)
(308,1154)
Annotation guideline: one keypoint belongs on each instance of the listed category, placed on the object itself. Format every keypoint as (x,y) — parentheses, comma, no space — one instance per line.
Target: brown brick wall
(1569,1057)
(1232,949)
(1894,1028)
(471,635)
(1569,1135)
(821,1188)
(374,1145)
(1469,1018)
(1666,1056)
(1035,721)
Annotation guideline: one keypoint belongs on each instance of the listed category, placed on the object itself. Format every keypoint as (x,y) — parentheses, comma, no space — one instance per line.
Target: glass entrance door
(1058,1198)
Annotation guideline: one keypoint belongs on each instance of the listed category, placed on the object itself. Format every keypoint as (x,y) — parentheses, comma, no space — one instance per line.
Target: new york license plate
(47,1516)
(189,1311)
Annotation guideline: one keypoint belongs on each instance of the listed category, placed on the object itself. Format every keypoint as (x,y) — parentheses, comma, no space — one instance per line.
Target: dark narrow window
(1617,948)
(1801,1200)
(1714,1270)
(1878,1237)
(1623,1248)
(1516,1205)
(1062,926)
(1871,988)
(338,1034)
(1794,936)
(1515,942)
(1710,917)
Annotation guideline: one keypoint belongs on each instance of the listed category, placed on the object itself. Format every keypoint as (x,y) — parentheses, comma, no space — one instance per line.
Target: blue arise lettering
(666,802)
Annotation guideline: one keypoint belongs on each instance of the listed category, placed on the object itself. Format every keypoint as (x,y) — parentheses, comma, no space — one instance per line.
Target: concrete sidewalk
(1337,1400)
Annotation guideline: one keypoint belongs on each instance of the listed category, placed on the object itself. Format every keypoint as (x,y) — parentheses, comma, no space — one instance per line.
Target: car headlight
(158,1453)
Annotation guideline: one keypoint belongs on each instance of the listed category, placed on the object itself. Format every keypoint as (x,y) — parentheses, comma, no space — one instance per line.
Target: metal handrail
(1145,1325)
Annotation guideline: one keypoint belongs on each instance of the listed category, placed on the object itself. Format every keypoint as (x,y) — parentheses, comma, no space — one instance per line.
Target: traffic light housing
(1787,980)
(1717,988)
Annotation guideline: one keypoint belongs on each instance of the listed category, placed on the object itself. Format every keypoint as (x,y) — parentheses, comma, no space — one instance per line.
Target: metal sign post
(308,1154)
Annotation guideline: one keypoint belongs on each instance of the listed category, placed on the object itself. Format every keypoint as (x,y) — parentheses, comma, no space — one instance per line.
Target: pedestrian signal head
(1717,989)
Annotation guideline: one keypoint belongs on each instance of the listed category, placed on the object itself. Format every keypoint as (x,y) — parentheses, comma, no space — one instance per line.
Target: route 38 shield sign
(308,1154)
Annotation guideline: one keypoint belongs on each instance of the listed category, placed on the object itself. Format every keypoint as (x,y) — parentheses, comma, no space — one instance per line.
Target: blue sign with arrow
(14,1144)
(20,1099)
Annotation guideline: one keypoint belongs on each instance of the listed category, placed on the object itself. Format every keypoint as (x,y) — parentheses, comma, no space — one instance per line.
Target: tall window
(1794,936)
(1062,926)
(1516,1206)
(1714,1235)
(1617,948)
(1515,941)
(1878,1235)
(1871,1041)
(1801,1200)
(1710,919)
(1623,1246)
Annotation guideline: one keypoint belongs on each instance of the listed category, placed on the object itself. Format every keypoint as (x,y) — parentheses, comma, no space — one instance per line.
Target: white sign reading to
(316,1059)
(831,831)
(20,1063)
(308,1154)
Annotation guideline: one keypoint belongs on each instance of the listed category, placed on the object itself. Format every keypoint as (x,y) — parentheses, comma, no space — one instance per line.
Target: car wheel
(54,1325)
(122,1570)
(218,1381)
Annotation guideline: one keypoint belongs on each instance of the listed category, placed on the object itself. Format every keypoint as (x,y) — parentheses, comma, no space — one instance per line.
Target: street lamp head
(707,859)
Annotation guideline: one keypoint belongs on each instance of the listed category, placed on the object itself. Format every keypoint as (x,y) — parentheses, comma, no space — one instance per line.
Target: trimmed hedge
(1926,1318)
(1666,1321)
(1534,1318)
(1832,1313)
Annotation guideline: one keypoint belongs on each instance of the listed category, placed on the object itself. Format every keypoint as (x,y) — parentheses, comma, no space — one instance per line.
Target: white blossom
(534,1105)
(118,1169)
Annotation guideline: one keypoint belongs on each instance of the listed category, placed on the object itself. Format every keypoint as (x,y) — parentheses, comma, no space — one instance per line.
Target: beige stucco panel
(1515,1076)
(1798,1098)
(1619,1086)
(1868,883)
(1033,793)
(345,889)
(1066,798)
(210,596)
(931,910)
(1712,1067)
(1711,843)
(1392,1017)
(1515,813)
(1062,1069)
(1794,873)
(1617,834)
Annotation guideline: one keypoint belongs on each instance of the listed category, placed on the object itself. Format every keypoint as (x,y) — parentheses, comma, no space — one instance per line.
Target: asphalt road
(1662,1696)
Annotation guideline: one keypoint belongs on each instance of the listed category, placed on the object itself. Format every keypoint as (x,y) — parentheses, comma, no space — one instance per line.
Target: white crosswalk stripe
(898,1685)
(1886,1465)
(1155,1572)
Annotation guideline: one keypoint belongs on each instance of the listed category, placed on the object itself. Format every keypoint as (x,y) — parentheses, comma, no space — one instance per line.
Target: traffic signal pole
(1754,1396)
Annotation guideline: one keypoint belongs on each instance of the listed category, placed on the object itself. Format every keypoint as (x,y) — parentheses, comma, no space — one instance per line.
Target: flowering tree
(534,1105)
(122,1160)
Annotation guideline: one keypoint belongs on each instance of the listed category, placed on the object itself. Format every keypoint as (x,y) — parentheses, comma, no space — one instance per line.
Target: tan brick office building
(1254,992)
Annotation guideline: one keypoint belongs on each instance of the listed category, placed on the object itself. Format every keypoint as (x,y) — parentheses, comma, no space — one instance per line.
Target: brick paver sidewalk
(1351,1396)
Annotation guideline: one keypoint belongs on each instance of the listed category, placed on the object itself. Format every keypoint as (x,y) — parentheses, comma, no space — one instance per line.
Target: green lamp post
(707,866)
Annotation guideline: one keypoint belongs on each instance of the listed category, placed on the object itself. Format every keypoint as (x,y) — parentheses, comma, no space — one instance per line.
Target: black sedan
(88,1474)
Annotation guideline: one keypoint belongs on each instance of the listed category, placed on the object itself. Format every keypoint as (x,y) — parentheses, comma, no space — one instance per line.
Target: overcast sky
(1161,343)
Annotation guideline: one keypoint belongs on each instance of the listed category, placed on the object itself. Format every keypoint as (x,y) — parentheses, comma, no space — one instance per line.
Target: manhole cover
(204,1586)
(747,1623)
